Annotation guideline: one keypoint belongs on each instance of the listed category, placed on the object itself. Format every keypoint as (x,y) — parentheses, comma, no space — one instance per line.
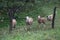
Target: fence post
(54,14)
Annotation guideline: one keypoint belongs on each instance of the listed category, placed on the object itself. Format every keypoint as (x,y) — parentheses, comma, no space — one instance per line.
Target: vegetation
(33,9)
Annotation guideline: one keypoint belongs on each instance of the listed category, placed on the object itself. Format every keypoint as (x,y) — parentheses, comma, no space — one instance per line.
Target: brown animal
(29,21)
(41,20)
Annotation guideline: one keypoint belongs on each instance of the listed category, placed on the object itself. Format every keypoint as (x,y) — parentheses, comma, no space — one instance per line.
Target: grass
(35,33)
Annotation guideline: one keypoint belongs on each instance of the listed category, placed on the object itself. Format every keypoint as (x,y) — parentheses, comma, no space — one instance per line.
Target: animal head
(39,16)
(27,17)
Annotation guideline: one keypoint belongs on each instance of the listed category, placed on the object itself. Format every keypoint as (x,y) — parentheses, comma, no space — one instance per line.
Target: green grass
(35,33)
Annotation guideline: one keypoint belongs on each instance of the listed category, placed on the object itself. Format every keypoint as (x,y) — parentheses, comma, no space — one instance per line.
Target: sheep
(50,17)
(41,20)
(29,21)
(14,23)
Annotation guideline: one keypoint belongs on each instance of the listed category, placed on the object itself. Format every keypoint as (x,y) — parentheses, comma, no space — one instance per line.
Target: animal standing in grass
(41,20)
(29,22)
(14,23)
(50,17)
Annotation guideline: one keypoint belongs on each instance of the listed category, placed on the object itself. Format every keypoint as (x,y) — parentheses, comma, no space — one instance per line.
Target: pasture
(35,33)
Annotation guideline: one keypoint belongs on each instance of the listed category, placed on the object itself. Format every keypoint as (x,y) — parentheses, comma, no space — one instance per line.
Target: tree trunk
(10,18)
